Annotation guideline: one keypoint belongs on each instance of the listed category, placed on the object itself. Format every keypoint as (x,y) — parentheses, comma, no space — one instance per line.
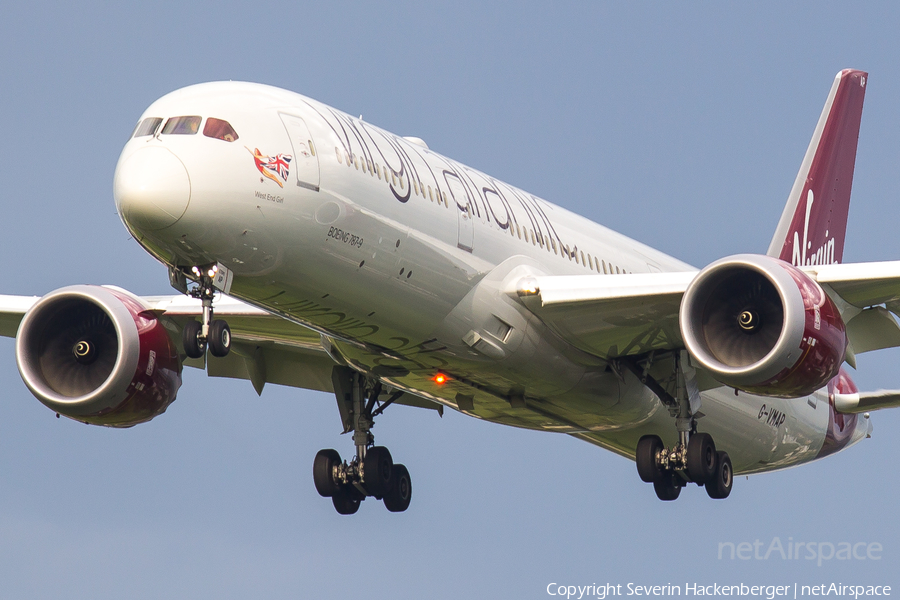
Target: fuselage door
(306,164)
(465,211)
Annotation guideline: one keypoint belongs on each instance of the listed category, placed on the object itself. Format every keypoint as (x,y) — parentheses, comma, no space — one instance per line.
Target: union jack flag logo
(272,167)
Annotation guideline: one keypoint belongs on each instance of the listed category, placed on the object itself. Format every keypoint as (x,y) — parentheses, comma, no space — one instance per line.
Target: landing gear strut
(694,458)
(208,333)
(372,472)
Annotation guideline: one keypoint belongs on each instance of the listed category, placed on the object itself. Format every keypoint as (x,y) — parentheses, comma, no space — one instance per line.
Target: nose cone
(152,189)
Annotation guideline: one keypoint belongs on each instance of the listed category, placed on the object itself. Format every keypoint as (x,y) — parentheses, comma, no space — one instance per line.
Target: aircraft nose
(152,189)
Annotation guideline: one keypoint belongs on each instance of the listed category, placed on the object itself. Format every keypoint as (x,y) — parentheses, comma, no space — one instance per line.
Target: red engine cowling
(761,325)
(97,355)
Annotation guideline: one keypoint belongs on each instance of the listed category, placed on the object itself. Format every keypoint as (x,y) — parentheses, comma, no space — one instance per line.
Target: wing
(612,316)
(265,347)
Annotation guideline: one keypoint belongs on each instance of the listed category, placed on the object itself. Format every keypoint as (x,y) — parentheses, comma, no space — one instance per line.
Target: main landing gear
(207,333)
(372,472)
(694,459)
(670,469)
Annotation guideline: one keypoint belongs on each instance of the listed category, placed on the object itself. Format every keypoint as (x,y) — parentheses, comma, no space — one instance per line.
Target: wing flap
(270,363)
(873,329)
(866,401)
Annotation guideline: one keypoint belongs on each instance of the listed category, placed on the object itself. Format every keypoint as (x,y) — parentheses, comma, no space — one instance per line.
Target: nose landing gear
(208,333)
(372,472)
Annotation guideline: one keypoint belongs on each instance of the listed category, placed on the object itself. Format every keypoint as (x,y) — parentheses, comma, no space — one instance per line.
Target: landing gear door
(306,163)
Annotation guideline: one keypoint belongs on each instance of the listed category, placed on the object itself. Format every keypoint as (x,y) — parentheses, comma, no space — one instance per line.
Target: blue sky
(681,125)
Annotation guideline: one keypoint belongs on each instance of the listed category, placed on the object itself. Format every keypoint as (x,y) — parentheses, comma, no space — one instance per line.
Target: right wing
(265,347)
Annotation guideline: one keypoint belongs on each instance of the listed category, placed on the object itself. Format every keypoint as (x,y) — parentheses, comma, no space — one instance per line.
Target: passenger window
(181,126)
(147,127)
(219,129)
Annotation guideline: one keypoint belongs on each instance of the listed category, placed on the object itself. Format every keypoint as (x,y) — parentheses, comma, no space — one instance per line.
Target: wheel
(719,487)
(645,457)
(193,346)
(665,487)
(400,493)
(345,501)
(323,472)
(219,338)
(701,457)
(377,468)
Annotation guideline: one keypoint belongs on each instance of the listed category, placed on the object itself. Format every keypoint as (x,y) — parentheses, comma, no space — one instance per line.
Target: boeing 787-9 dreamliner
(314,250)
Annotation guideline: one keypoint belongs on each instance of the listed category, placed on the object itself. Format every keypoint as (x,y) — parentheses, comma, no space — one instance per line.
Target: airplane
(315,250)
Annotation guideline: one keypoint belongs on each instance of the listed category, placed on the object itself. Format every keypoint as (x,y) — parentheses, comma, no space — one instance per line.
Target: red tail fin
(814,222)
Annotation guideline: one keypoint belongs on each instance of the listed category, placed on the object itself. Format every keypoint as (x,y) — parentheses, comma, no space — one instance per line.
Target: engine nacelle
(97,355)
(761,325)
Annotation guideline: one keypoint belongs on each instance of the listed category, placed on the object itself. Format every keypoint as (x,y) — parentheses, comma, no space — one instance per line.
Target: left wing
(613,316)
(610,315)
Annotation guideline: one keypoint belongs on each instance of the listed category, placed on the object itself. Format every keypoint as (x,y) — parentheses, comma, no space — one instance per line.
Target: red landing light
(440,379)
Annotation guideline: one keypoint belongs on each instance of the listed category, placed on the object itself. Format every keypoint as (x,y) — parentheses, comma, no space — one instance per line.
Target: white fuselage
(406,262)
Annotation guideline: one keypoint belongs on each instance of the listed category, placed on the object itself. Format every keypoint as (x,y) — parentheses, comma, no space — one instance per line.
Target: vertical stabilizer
(814,222)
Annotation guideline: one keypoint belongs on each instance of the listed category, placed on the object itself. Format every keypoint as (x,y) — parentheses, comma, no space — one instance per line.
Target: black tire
(323,472)
(701,458)
(219,339)
(666,489)
(719,487)
(190,336)
(645,458)
(346,502)
(398,497)
(378,468)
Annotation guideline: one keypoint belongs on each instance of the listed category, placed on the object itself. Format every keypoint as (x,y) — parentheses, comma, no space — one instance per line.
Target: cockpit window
(219,129)
(181,126)
(147,127)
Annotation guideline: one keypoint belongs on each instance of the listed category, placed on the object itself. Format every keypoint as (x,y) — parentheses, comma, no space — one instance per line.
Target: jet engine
(97,355)
(761,325)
